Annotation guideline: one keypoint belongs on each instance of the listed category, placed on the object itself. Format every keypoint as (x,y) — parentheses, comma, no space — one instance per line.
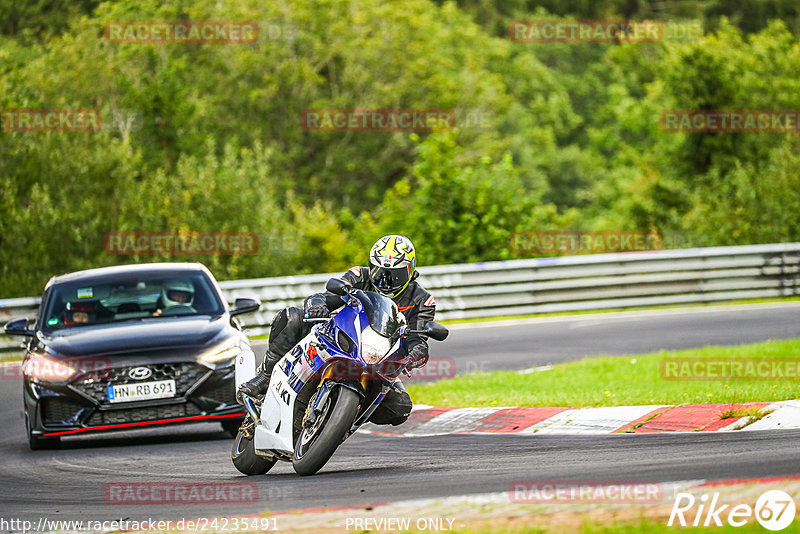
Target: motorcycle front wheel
(317,443)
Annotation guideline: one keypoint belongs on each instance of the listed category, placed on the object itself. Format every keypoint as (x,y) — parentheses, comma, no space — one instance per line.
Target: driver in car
(392,273)
(175,293)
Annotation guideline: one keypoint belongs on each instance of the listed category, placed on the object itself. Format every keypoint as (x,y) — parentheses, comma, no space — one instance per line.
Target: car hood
(128,337)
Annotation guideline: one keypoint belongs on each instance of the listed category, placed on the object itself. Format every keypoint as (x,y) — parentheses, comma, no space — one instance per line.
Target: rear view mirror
(436,331)
(433,330)
(337,286)
(18,327)
(245,306)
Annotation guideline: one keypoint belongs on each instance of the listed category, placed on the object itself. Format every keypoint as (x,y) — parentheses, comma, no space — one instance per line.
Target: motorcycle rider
(392,273)
(175,293)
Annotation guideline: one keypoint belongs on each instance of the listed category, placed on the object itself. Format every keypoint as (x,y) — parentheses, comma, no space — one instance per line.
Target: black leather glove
(417,357)
(316,311)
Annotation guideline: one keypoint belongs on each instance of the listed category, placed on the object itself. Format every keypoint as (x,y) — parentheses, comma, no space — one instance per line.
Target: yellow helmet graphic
(392,262)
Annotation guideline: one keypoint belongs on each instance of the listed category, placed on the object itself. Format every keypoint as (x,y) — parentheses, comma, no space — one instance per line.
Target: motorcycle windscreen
(382,313)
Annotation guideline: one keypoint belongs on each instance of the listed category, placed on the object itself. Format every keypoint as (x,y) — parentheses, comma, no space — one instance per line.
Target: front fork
(369,411)
(327,383)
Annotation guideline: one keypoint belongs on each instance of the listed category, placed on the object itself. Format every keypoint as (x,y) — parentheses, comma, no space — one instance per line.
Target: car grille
(224,393)
(56,410)
(185,374)
(150,413)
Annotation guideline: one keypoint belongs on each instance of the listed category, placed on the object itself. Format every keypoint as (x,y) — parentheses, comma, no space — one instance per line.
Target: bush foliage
(549,136)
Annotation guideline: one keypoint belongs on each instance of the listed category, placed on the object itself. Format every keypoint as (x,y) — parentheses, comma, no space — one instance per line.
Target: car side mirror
(433,330)
(337,286)
(19,327)
(245,306)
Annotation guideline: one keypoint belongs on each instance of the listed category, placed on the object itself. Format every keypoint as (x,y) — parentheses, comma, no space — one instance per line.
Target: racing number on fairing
(297,352)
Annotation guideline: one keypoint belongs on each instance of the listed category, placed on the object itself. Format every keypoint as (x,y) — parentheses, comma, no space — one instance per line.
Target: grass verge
(753,413)
(620,381)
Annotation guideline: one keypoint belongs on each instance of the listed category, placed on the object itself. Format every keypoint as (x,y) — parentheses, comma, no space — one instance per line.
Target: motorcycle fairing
(288,378)
(302,363)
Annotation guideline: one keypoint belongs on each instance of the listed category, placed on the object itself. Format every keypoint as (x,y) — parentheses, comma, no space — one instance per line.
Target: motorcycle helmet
(392,263)
(177,293)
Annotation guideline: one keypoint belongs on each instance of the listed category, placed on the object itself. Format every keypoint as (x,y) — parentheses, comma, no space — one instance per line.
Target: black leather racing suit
(417,305)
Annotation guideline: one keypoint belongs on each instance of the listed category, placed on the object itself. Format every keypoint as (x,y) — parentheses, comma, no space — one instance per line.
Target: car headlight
(230,348)
(373,346)
(40,367)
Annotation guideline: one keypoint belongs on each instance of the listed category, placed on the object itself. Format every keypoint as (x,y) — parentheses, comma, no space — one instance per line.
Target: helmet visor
(390,280)
(179,295)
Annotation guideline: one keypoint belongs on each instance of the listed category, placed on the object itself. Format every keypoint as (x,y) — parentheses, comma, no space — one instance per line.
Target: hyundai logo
(140,373)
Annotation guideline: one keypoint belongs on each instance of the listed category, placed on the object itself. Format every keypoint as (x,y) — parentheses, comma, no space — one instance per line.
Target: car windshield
(134,296)
(383,315)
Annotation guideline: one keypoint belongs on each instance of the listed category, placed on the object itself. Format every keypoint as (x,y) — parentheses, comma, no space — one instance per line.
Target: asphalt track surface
(70,483)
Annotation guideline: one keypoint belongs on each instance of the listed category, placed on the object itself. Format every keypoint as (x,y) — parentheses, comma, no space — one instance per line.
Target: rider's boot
(258,384)
(287,329)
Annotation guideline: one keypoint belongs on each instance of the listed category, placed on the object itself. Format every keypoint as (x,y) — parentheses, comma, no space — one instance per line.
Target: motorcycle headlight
(226,350)
(373,346)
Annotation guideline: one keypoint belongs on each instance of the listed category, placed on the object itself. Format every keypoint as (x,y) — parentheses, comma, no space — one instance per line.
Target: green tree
(458,214)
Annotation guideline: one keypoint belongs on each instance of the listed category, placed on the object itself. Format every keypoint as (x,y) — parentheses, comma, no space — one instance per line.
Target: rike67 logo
(774,510)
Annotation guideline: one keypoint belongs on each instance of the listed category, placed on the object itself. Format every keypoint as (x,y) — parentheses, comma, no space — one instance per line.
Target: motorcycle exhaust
(251,408)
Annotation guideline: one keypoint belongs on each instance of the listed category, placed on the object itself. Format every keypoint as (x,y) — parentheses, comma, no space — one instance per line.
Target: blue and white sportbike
(327,386)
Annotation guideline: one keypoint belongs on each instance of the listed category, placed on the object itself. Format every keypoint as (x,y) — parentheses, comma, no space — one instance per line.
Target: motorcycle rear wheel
(316,445)
(245,458)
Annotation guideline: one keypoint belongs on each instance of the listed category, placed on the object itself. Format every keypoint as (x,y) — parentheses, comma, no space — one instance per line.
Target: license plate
(162,389)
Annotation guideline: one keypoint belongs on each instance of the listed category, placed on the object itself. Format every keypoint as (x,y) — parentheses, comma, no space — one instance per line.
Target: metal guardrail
(556,284)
